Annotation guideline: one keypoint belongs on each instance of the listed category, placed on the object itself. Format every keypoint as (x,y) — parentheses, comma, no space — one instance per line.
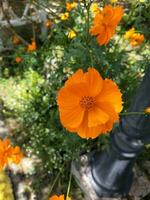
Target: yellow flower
(113,1)
(70,6)
(147,110)
(71,34)
(94,8)
(64,16)
(129,33)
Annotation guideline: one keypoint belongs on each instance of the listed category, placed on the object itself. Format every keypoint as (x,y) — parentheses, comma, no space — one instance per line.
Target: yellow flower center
(87,102)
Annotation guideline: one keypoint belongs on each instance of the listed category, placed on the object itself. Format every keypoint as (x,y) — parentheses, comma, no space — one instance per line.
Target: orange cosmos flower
(18,59)
(135,39)
(48,23)
(16,155)
(16,40)
(61,197)
(88,104)
(105,23)
(31,47)
(70,6)
(9,153)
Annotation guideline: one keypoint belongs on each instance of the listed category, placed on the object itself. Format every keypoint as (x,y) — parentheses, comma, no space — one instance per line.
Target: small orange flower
(16,40)
(61,197)
(18,59)
(16,155)
(31,47)
(135,39)
(105,23)
(147,110)
(48,23)
(9,153)
(70,6)
(88,104)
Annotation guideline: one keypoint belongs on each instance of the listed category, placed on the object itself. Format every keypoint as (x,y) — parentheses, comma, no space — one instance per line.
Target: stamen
(87,102)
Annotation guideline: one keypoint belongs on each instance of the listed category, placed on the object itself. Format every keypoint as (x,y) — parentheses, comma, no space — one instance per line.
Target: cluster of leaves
(37,78)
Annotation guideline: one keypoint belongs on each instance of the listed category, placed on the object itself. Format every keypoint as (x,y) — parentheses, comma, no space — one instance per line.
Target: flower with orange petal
(105,23)
(70,6)
(9,153)
(31,47)
(88,104)
(5,152)
(61,197)
(16,40)
(135,39)
(18,59)
(48,23)
(16,155)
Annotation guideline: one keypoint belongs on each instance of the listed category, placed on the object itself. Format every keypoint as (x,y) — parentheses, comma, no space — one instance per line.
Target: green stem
(133,113)
(88,22)
(54,182)
(87,19)
(69,185)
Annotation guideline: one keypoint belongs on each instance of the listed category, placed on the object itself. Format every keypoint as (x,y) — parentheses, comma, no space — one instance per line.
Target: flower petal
(66,99)
(94,81)
(118,13)
(102,38)
(80,90)
(107,127)
(109,110)
(88,132)
(76,78)
(72,117)
(96,117)
(111,93)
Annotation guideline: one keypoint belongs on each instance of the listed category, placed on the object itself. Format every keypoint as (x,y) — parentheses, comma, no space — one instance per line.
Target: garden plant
(68,71)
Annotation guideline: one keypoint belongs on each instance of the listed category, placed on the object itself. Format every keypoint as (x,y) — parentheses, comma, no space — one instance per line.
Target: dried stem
(11,27)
